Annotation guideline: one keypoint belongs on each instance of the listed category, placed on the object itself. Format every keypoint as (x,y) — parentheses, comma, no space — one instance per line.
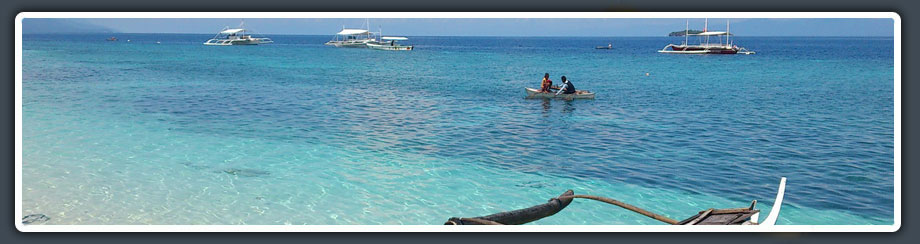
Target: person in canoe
(567,87)
(547,84)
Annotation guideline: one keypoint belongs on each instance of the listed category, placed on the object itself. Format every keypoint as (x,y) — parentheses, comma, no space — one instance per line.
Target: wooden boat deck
(732,216)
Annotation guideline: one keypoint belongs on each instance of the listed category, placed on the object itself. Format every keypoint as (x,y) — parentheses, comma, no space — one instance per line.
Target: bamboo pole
(626,206)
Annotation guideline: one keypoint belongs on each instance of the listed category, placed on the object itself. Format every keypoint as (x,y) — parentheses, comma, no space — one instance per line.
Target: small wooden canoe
(580,94)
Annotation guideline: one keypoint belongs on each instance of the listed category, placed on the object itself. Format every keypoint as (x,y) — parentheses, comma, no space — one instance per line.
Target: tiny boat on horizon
(609,46)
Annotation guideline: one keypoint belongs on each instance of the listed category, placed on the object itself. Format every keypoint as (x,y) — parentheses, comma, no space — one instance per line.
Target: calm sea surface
(301,133)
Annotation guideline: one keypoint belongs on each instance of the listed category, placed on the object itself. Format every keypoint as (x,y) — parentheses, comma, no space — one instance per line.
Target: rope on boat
(624,205)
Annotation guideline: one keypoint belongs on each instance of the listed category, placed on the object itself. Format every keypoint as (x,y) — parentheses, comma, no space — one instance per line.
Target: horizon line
(290,34)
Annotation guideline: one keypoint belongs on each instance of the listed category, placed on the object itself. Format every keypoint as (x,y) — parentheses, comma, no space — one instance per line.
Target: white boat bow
(777,204)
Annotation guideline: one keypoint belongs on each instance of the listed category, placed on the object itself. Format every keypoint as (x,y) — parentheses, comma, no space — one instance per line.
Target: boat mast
(687,33)
(367,23)
(705,29)
(728,33)
(241,27)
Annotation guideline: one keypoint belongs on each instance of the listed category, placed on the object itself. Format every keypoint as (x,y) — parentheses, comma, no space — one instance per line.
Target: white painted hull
(349,44)
(388,47)
(253,41)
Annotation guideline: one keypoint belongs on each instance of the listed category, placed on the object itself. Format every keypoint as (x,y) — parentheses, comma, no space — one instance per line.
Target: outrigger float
(732,216)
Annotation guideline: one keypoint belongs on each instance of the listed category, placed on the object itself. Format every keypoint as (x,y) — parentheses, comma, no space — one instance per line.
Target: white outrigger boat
(235,36)
(354,38)
(390,43)
(706,46)
(731,216)
(579,94)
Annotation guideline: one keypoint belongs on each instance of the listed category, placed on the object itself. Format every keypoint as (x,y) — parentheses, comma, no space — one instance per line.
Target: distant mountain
(63,26)
(681,33)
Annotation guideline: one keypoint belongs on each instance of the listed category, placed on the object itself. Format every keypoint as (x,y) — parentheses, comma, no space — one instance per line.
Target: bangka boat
(579,94)
(732,216)
(609,46)
(235,36)
(354,38)
(706,45)
(390,43)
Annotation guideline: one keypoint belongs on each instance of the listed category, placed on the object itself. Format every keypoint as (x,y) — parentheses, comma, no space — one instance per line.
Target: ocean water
(296,132)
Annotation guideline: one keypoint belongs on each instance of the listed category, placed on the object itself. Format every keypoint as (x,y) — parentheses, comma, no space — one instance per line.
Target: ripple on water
(163,136)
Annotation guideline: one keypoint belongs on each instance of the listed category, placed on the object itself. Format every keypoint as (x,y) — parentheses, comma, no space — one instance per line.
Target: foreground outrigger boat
(579,94)
(235,36)
(733,216)
(706,46)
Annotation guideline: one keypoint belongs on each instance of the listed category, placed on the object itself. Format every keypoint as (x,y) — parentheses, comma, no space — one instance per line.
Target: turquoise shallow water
(301,133)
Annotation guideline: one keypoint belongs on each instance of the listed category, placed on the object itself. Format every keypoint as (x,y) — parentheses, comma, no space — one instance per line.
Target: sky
(475,27)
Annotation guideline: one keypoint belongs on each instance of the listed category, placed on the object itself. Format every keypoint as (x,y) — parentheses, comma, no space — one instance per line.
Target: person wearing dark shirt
(567,87)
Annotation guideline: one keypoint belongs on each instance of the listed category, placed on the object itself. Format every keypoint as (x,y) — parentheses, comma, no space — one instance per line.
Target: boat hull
(388,47)
(348,44)
(254,41)
(534,93)
(703,49)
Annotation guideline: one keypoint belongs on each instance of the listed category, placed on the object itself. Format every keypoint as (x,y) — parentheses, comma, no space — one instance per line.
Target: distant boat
(235,36)
(354,38)
(706,45)
(609,46)
(390,43)
(112,39)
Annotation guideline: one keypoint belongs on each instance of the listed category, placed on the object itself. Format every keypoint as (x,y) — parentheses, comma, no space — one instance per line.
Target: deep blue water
(816,110)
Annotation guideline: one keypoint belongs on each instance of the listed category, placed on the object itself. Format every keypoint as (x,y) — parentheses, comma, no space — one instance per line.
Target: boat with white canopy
(706,44)
(355,38)
(235,36)
(390,43)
